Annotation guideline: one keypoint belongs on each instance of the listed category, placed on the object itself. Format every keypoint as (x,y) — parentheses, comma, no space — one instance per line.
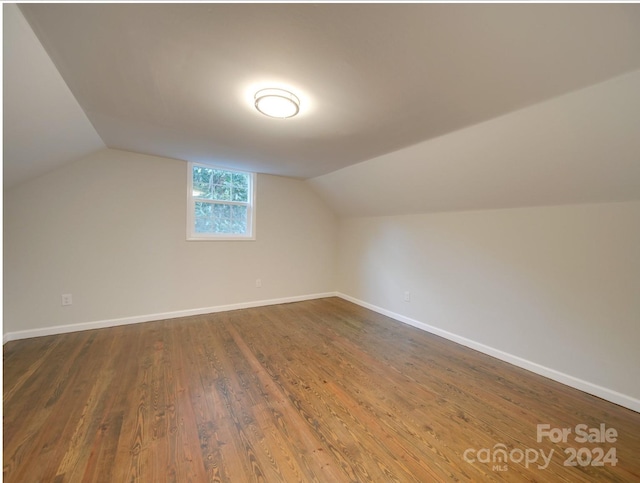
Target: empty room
(321,242)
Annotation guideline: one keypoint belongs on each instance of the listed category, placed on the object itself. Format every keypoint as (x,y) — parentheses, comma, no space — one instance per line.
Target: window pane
(239,219)
(240,187)
(222,192)
(221,185)
(240,180)
(202,178)
(223,201)
(241,194)
(221,211)
(209,218)
(220,218)
(204,218)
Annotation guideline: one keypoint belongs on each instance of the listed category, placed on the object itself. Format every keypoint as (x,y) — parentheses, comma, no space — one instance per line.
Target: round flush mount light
(277,103)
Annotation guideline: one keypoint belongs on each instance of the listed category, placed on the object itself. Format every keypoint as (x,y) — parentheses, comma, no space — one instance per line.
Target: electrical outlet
(407,296)
(258,282)
(67,299)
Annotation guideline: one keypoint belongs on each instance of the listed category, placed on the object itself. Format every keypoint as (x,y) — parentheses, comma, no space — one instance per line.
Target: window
(221,204)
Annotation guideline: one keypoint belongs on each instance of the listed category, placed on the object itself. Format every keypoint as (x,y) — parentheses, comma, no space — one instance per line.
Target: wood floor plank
(315,391)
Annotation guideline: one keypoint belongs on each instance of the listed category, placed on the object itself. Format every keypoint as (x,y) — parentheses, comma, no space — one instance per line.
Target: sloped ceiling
(44,126)
(176,80)
(583,147)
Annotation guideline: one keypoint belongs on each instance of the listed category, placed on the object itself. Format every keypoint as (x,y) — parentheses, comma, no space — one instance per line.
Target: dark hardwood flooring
(321,390)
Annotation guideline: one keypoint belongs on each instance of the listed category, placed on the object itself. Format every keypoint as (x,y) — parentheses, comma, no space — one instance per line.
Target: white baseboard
(588,387)
(101,324)
(585,386)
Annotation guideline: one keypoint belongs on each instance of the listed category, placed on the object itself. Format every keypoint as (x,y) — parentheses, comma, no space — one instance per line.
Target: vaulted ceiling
(177,80)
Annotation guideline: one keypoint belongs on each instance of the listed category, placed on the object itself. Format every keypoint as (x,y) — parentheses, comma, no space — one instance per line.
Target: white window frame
(192,235)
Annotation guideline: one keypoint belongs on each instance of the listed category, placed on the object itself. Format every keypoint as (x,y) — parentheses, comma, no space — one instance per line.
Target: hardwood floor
(321,390)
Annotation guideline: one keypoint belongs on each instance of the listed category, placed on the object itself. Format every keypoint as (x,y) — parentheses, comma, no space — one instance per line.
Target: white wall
(556,286)
(110,229)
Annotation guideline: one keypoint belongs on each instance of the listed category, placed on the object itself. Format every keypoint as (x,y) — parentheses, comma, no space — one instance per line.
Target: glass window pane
(222,211)
(222,192)
(202,186)
(239,219)
(217,191)
(209,218)
(240,187)
(204,222)
(220,177)
(218,184)
(240,180)
(222,185)
(222,215)
(240,194)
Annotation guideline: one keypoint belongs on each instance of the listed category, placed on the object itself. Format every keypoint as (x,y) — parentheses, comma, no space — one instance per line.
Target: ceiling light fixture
(277,103)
